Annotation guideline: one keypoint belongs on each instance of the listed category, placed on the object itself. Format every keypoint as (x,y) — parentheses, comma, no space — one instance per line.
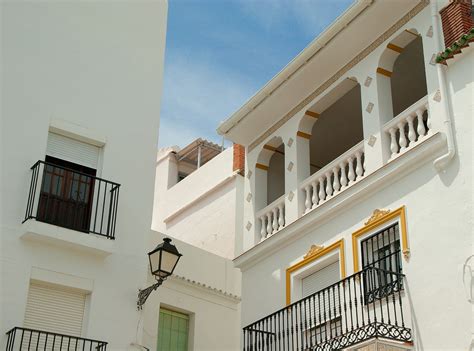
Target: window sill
(33,230)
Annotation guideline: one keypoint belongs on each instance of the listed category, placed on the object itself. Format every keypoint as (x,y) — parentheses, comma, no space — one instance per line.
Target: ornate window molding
(316,252)
(378,220)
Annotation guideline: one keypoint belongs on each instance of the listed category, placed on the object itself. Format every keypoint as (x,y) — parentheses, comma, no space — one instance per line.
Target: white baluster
(314,199)
(328,185)
(263,230)
(393,141)
(269,223)
(351,174)
(420,128)
(275,219)
(359,166)
(281,216)
(411,129)
(307,203)
(343,174)
(428,120)
(335,184)
(402,140)
(321,194)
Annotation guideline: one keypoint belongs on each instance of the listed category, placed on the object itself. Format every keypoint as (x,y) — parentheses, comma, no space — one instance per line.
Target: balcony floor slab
(50,234)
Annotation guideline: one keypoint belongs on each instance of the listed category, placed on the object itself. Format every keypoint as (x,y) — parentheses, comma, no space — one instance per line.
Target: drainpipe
(441,162)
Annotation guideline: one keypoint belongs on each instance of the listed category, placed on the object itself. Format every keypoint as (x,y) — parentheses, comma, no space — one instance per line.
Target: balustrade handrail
(275,203)
(74,171)
(405,113)
(362,306)
(12,339)
(328,168)
(72,199)
(342,281)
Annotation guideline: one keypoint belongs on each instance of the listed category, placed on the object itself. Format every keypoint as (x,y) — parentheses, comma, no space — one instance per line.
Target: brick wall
(456,19)
(239,158)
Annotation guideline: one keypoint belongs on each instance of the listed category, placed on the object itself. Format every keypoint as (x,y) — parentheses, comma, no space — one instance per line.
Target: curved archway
(270,173)
(334,124)
(401,74)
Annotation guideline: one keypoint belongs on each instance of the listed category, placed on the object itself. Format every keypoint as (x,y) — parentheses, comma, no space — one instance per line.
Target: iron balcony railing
(71,199)
(25,339)
(365,305)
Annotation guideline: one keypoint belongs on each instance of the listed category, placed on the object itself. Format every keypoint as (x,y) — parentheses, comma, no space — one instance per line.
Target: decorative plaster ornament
(290,142)
(248,226)
(249,174)
(429,33)
(291,195)
(370,107)
(290,166)
(372,140)
(313,250)
(249,197)
(368,81)
(437,96)
(377,214)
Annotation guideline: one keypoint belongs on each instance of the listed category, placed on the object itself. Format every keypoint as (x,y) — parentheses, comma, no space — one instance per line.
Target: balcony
(74,200)
(363,306)
(29,339)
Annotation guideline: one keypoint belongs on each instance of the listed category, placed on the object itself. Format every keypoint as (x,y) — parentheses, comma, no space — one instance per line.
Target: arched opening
(408,81)
(276,174)
(270,173)
(333,134)
(338,126)
(401,77)
(269,187)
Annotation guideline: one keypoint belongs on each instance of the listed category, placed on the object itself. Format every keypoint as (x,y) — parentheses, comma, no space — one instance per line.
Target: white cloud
(196,94)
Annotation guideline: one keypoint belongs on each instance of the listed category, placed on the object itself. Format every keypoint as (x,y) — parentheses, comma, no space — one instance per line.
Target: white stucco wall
(97,68)
(438,207)
(200,214)
(200,209)
(207,288)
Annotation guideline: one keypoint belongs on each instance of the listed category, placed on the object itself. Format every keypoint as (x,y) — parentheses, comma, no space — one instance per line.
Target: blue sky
(221,52)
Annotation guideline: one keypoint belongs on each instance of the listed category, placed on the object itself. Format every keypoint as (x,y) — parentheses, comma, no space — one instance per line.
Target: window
(66,194)
(328,321)
(173,329)
(381,261)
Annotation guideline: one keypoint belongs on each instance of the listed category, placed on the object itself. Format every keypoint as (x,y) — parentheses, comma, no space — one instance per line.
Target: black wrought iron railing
(365,305)
(25,339)
(71,199)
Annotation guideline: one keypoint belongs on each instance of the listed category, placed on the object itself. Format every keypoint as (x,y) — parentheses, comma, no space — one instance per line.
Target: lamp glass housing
(163,259)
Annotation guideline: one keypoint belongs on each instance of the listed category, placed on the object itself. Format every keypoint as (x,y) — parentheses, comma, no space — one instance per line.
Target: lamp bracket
(144,293)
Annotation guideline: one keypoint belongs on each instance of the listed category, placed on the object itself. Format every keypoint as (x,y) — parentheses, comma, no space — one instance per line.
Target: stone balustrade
(334,177)
(272,218)
(409,127)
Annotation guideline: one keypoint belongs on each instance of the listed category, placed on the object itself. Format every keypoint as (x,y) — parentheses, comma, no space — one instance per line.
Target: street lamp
(163,260)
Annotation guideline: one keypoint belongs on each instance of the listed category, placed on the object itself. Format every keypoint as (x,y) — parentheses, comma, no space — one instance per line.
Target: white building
(196,194)
(357,219)
(81,89)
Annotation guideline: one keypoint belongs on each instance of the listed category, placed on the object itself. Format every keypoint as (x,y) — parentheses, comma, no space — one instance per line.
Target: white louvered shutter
(329,299)
(55,309)
(72,150)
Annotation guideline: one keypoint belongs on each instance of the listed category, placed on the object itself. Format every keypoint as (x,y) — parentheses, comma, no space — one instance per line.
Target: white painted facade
(431,178)
(90,71)
(199,213)
(202,208)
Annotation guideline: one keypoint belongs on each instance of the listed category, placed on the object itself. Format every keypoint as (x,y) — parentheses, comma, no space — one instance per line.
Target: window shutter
(72,150)
(55,309)
(321,279)
(327,302)
(172,331)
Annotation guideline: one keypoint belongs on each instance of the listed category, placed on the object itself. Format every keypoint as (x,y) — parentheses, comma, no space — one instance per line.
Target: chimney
(239,159)
(457,20)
